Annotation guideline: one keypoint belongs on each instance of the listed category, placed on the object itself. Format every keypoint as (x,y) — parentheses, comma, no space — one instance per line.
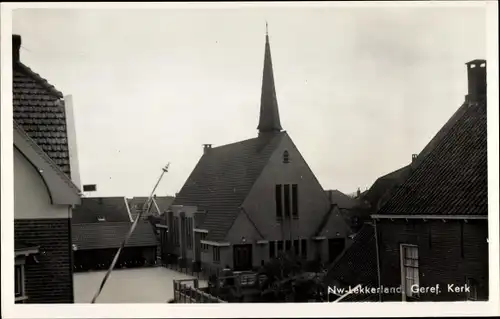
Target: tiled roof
(222,179)
(358,263)
(39,109)
(385,185)
(452,178)
(110,235)
(113,209)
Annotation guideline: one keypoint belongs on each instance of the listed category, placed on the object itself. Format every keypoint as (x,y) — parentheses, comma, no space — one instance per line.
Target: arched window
(286,157)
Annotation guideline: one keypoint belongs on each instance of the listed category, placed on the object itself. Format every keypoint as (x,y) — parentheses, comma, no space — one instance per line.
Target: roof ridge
(41,80)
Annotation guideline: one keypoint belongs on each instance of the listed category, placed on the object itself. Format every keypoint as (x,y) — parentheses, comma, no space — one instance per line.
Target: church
(246,202)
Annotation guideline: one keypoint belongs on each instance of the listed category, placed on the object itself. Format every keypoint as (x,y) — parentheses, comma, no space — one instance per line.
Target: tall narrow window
(303,248)
(272,249)
(287,200)
(176,231)
(409,270)
(286,157)
(189,232)
(19,280)
(203,236)
(295,201)
(216,254)
(296,247)
(279,202)
(280,246)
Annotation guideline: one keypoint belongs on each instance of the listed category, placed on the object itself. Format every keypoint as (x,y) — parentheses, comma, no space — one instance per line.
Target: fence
(184,293)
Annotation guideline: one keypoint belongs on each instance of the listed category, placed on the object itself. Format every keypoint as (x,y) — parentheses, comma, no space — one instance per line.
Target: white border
(10,310)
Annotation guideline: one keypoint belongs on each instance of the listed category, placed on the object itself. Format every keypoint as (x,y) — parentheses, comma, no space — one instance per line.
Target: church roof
(222,179)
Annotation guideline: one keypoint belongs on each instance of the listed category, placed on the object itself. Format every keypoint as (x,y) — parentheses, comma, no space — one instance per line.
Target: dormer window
(101,219)
(286,157)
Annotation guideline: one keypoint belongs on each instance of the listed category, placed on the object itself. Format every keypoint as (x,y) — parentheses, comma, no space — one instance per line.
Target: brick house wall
(449,253)
(50,280)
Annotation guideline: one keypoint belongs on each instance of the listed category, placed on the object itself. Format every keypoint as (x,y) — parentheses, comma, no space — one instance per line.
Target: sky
(359,89)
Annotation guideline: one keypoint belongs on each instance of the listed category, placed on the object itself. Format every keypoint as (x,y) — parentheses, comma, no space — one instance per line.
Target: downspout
(378,260)
(71,253)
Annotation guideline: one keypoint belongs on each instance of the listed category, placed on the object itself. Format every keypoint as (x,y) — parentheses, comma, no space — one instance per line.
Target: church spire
(269,115)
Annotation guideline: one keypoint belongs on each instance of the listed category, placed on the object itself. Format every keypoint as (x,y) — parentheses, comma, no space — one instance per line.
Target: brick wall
(51,280)
(448,254)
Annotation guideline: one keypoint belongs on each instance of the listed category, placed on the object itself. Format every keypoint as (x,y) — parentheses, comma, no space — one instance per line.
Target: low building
(44,192)
(100,224)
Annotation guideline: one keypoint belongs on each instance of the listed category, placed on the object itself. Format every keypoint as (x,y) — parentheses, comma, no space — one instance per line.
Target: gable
(312,202)
(452,178)
(222,179)
(61,188)
(38,108)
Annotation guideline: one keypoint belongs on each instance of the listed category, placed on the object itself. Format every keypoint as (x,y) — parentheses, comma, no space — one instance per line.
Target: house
(248,201)
(99,226)
(44,192)
(434,229)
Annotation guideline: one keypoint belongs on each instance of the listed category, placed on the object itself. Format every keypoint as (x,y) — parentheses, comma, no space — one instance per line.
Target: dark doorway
(242,257)
(335,248)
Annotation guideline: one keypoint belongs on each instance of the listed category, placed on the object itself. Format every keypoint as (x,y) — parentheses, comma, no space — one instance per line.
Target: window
(288,245)
(216,253)
(287,201)
(279,204)
(472,285)
(296,247)
(19,280)
(272,249)
(286,157)
(176,231)
(203,236)
(303,250)
(295,201)
(280,246)
(189,233)
(409,270)
(101,219)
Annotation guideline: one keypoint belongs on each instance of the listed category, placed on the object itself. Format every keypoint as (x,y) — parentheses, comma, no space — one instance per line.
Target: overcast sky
(359,89)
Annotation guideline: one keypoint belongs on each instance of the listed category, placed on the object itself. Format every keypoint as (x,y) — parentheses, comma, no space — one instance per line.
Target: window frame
(404,266)
(203,247)
(216,254)
(21,284)
(472,295)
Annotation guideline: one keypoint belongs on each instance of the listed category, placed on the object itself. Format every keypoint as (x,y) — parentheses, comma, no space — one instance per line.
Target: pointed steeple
(269,114)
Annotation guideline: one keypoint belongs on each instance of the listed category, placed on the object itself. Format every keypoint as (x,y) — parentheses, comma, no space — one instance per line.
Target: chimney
(358,193)
(476,74)
(16,47)
(206,148)
(413,157)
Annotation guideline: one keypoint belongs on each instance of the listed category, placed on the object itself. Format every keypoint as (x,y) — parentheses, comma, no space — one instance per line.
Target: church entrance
(242,257)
